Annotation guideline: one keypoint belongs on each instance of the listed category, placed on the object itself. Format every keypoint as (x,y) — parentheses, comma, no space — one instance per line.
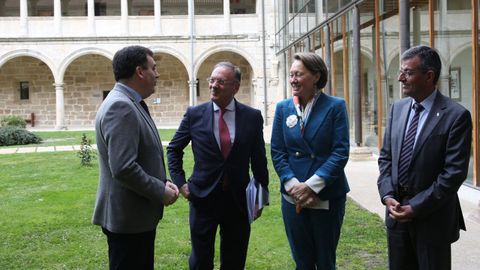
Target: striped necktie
(407,147)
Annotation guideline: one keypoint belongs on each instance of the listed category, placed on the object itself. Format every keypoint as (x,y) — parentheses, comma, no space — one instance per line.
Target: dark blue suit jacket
(438,167)
(247,152)
(323,148)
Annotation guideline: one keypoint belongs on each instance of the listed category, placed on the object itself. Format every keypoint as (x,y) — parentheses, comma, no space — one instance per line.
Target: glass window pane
(242,6)
(141,8)
(74,8)
(209,7)
(453,39)
(174,7)
(41,8)
(107,8)
(10,8)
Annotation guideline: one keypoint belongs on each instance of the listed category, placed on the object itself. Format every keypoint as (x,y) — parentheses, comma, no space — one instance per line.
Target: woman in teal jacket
(309,147)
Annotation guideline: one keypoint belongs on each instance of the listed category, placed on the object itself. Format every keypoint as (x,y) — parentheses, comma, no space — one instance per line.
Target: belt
(403,191)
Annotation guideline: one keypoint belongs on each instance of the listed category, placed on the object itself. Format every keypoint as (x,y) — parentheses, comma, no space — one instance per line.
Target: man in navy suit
(422,168)
(225,149)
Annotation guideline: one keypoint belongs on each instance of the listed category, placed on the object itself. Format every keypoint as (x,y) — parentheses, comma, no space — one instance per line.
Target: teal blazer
(322,149)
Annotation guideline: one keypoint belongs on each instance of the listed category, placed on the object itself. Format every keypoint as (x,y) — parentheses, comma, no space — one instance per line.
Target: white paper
(257,198)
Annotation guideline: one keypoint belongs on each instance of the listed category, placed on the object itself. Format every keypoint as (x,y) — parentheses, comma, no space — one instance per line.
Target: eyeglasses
(410,72)
(296,75)
(211,80)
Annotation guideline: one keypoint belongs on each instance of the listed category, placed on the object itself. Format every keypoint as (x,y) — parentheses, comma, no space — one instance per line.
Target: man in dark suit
(227,140)
(423,162)
(132,187)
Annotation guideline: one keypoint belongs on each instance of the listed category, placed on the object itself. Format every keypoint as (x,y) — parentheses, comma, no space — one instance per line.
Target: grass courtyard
(47,202)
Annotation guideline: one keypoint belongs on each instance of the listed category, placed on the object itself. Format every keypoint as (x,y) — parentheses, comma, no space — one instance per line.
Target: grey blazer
(132,171)
(438,168)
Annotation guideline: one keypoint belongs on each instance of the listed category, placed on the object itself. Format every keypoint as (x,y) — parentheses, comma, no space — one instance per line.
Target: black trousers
(206,215)
(407,251)
(130,251)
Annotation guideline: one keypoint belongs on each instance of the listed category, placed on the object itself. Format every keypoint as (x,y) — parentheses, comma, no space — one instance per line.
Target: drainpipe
(192,82)
(265,106)
(356,65)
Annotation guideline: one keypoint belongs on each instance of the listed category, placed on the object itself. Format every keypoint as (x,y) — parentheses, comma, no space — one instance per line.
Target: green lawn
(46,208)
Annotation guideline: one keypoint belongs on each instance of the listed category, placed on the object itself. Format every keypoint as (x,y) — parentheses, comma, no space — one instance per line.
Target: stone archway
(87,80)
(170,100)
(35,74)
(246,92)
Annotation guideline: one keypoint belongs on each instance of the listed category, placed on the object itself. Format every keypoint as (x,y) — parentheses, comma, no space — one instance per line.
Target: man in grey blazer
(133,188)
(423,163)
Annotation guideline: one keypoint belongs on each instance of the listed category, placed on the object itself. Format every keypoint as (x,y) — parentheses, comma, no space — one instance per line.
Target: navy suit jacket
(438,167)
(247,152)
(322,149)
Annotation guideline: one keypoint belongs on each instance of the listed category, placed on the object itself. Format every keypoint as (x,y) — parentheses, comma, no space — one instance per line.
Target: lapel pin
(438,114)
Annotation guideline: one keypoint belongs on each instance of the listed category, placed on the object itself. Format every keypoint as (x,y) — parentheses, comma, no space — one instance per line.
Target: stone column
(57,17)
(157,10)
(193,92)
(23,18)
(60,107)
(226,17)
(319,16)
(91,17)
(124,16)
(404,14)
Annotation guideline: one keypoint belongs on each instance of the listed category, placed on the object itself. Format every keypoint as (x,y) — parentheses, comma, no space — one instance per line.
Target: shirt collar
(428,102)
(229,107)
(136,96)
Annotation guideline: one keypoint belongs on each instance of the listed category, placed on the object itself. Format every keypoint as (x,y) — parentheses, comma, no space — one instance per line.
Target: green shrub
(15,136)
(86,153)
(13,121)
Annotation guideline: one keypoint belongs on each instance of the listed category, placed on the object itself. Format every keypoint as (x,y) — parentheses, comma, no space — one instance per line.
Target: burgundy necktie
(225,143)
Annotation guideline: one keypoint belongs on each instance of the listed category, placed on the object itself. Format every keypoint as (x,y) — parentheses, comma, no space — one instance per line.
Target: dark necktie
(145,107)
(225,143)
(407,147)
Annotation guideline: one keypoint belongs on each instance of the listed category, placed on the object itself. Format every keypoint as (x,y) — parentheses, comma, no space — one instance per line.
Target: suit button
(297,154)
(312,156)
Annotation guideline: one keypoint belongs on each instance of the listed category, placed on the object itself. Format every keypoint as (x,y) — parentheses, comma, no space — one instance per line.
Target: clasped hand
(171,193)
(400,213)
(303,195)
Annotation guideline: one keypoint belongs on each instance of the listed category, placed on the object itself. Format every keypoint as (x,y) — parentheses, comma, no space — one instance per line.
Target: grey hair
(235,69)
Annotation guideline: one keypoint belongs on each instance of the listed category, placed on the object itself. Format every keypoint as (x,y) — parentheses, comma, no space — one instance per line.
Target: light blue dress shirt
(427,105)
(135,94)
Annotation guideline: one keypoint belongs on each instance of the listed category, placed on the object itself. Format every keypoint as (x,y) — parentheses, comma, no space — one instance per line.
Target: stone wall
(244,93)
(42,92)
(84,82)
(89,76)
(172,90)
